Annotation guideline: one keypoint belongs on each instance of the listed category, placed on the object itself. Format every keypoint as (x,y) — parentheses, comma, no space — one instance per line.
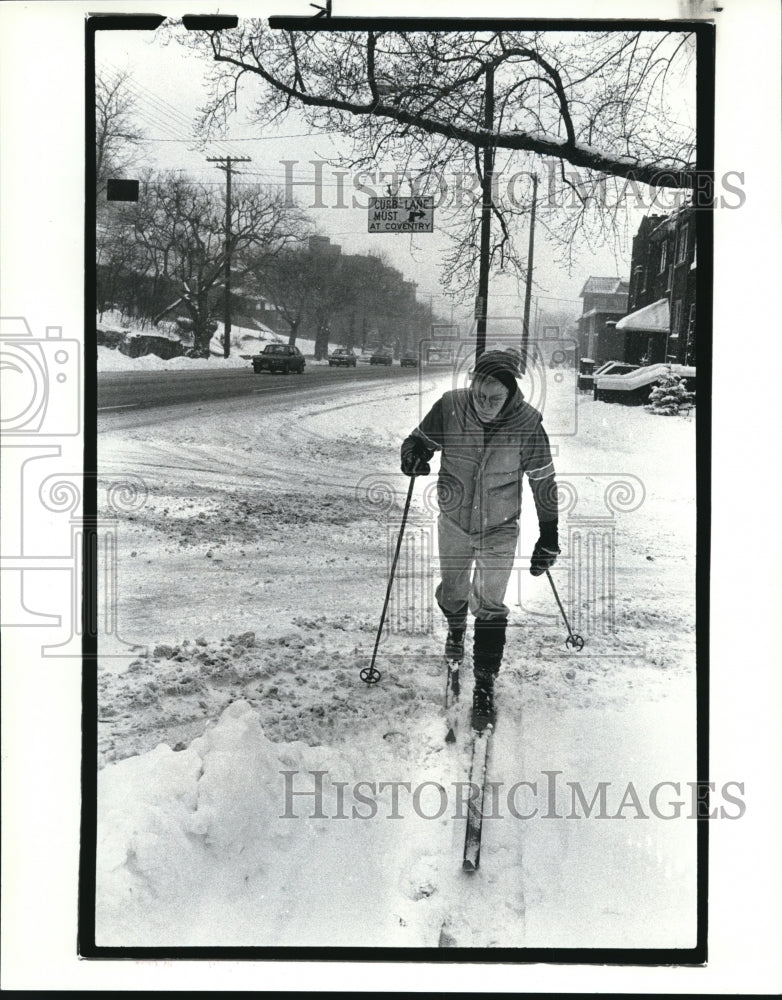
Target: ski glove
(546,550)
(415,457)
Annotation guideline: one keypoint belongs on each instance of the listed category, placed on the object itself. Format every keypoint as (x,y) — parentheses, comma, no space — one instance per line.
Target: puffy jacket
(482,466)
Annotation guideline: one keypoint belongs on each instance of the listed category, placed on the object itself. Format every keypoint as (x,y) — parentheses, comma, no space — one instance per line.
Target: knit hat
(500,365)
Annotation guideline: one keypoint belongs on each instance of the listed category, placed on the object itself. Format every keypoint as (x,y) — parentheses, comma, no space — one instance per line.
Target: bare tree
(179,231)
(611,106)
(282,278)
(596,100)
(333,291)
(116,133)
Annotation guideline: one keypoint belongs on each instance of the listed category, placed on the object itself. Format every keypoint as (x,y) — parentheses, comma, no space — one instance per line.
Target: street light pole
(528,294)
(488,167)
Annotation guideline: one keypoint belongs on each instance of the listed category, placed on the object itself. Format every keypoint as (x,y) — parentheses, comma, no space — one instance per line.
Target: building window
(663,256)
(676,319)
(681,247)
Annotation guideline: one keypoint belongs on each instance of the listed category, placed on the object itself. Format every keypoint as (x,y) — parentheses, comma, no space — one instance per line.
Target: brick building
(660,325)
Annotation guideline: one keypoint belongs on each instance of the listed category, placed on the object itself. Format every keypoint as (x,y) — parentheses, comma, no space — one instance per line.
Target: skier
(489,436)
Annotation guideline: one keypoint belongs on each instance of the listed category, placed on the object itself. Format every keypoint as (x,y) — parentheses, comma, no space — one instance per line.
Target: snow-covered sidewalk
(251,582)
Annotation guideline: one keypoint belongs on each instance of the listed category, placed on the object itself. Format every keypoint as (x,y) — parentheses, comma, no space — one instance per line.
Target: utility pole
(528,294)
(481,303)
(228,161)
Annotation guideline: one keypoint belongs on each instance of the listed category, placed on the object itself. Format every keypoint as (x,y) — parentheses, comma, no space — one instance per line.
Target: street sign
(396,214)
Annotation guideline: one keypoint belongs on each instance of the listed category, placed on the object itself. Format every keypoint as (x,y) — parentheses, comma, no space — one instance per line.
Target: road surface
(143,390)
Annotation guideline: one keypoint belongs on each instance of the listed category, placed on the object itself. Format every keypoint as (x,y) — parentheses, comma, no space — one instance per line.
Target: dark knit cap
(500,365)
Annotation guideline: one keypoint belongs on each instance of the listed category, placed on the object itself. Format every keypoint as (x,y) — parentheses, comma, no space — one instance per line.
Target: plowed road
(142,390)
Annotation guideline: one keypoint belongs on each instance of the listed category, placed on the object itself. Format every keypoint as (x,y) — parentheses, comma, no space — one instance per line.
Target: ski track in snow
(250,584)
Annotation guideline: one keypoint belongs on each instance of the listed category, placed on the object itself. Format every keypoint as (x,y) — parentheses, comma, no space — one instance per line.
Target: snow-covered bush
(670,395)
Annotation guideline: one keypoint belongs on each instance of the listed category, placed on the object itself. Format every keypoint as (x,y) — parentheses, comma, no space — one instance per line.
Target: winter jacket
(481,467)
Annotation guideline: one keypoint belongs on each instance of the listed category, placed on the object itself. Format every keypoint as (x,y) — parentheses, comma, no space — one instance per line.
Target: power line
(260,138)
(162,114)
(174,114)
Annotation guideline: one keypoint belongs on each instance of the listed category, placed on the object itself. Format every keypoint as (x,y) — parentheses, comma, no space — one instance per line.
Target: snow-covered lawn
(250,585)
(244,342)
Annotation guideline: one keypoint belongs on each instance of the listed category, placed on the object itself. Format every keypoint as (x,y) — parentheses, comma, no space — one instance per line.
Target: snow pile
(229,843)
(199,826)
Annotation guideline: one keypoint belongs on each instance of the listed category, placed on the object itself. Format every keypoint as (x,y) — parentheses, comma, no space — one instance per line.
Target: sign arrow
(412,216)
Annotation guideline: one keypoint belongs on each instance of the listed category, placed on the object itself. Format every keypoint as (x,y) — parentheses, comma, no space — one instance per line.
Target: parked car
(409,360)
(342,356)
(381,357)
(278,358)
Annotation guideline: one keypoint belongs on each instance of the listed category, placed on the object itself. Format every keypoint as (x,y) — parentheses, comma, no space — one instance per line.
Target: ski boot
(454,654)
(454,644)
(483,713)
(488,646)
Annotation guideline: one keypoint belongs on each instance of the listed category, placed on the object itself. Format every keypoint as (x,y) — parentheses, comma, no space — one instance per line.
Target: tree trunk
(322,341)
(294,325)
(201,333)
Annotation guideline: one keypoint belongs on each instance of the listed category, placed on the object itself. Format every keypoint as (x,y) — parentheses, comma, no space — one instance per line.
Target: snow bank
(244,341)
(229,843)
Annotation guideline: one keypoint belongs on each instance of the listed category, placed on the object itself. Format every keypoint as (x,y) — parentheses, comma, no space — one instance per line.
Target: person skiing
(488,436)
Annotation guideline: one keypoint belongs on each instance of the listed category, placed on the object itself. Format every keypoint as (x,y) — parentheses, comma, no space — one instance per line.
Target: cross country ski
(479,763)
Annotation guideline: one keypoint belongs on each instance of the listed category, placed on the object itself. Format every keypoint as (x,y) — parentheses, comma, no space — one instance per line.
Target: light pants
(474,571)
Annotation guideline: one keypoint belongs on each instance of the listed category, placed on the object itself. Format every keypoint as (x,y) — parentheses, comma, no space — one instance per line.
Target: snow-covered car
(278,358)
(342,356)
(381,357)
(409,360)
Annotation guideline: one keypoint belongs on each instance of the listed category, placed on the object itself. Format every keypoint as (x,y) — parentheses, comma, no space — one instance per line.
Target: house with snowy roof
(604,302)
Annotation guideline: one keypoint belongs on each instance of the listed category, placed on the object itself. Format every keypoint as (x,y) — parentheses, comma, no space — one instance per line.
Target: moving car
(409,360)
(381,357)
(278,358)
(342,356)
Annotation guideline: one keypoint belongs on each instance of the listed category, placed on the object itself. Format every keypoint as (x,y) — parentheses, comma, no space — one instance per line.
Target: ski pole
(574,641)
(370,674)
